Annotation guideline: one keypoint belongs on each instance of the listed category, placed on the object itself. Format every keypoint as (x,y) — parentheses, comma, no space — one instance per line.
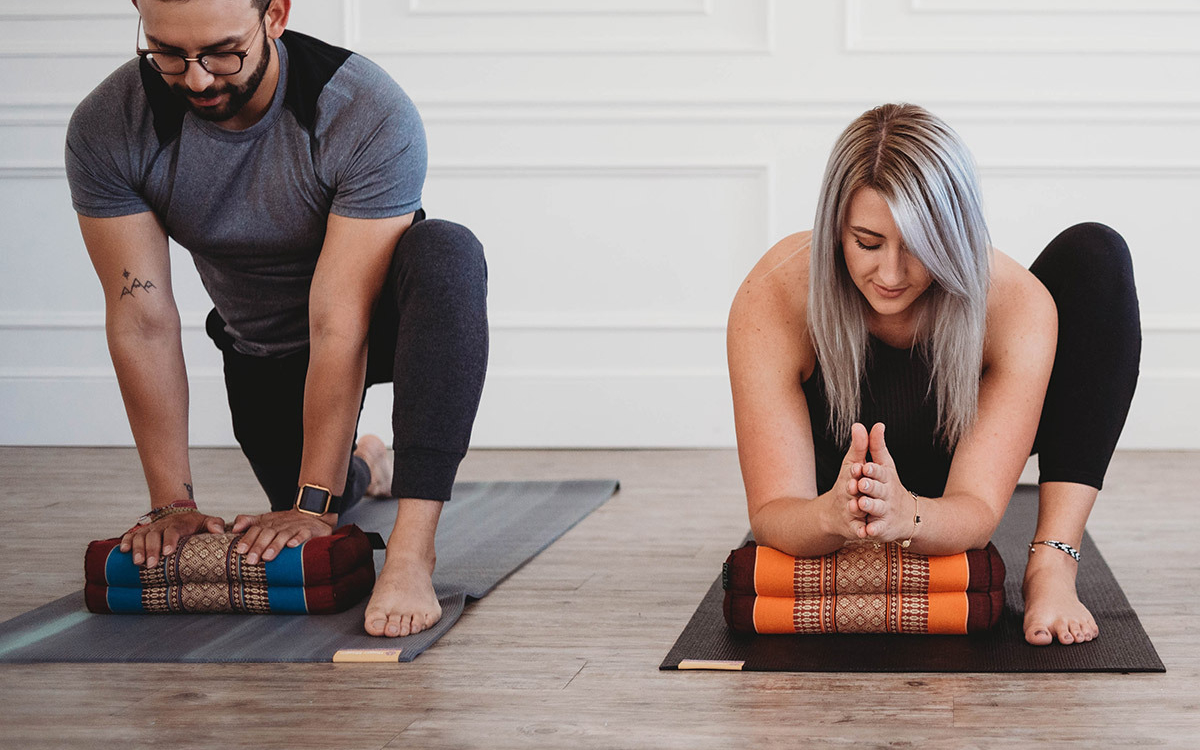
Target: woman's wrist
(831,521)
(916,519)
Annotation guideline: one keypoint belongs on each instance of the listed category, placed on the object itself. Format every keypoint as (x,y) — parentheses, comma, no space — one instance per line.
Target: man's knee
(442,253)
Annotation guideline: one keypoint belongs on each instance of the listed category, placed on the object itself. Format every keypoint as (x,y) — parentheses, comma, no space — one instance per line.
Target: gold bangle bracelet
(916,521)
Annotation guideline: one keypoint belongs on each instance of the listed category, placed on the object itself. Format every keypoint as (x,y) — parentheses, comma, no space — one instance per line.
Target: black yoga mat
(708,643)
(487,531)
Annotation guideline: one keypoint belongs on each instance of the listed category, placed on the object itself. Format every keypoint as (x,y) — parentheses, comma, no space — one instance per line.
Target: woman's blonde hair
(925,173)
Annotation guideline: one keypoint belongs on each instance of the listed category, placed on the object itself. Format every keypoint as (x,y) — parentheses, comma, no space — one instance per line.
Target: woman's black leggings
(429,338)
(1089,273)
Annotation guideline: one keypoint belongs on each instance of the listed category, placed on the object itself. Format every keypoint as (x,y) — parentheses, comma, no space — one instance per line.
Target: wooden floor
(565,653)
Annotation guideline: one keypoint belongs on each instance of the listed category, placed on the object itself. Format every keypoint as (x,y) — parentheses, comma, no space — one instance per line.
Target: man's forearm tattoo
(128,289)
(188,487)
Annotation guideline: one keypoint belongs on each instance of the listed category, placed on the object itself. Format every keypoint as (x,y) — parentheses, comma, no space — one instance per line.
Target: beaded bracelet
(1060,546)
(179,506)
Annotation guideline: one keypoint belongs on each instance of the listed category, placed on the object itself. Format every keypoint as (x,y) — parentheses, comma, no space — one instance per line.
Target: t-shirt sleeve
(99,156)
(376,145)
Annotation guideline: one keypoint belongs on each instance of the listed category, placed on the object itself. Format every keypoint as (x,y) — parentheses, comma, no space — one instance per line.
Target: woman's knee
(1092,258)
(1094,246)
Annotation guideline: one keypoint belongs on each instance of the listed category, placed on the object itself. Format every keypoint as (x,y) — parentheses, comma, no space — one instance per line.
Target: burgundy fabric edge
(95,560)
(739,611)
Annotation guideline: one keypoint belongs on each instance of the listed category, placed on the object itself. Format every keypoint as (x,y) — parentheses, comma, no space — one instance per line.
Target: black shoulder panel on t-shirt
(311,63)
(167,108)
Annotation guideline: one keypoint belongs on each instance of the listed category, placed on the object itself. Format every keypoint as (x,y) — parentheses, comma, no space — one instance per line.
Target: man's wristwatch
(317,501)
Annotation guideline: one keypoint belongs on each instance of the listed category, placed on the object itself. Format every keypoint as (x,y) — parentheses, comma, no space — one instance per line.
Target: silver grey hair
(925,173)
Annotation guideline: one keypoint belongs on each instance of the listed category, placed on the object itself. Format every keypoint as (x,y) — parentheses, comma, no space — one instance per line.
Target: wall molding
(982,39)
(762,44)
(1097,170)
(1149,170)
(561,8)
(1056,7)
(56,112)
(632,168)
(214,375)
(32,11)
(41,10)
(193,320)
(350,23)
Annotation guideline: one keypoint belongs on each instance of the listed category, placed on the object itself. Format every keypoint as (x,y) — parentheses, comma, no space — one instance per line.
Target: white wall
(625,162)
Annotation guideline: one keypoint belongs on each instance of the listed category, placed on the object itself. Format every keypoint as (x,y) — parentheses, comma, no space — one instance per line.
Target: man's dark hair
(259,5)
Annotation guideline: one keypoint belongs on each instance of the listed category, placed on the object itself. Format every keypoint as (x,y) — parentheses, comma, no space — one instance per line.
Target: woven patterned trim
(205,574)
(862,569)
(862,613)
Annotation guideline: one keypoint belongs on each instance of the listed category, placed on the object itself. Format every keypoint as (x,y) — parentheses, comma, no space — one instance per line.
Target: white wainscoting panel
(625,162)
(1021,27)
(575,27)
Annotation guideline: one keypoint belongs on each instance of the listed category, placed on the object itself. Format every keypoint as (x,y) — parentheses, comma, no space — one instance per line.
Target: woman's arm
(1018,357)
(769,356)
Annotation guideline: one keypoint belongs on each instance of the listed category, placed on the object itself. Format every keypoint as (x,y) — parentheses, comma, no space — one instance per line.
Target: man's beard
(238,95)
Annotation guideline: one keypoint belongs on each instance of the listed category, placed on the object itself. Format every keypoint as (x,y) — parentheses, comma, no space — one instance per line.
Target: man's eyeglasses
(175,64)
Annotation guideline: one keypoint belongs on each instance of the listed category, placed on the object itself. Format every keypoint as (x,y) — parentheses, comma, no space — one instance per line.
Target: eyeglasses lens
(217,63)
(221,64)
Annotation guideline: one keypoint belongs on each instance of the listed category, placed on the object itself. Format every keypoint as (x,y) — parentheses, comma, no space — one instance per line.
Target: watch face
(313,499)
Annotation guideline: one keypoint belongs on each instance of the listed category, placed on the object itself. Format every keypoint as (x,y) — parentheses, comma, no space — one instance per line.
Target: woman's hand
(848,518)
(890,508)
(162,537)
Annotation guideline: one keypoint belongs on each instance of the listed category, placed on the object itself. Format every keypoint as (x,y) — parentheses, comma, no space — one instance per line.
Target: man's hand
(267,534)
(162,536)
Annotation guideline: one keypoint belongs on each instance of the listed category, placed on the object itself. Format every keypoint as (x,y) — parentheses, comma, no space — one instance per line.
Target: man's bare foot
(1052,608)
(372,450)
(403,601)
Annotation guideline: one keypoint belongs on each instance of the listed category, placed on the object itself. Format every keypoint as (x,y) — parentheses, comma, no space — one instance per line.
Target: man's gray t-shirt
(251,206)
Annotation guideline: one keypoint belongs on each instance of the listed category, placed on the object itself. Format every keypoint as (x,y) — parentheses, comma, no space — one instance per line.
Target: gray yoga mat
(1123,646)
(487,531)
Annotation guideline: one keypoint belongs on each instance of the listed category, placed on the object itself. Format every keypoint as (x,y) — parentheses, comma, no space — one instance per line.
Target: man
(292,171)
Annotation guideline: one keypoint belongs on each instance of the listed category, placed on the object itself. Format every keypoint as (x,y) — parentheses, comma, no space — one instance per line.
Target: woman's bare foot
(372,450)
(1052,607)
(403,601)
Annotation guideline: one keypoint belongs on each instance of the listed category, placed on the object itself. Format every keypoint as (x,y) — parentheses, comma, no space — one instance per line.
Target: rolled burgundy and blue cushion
(205,574)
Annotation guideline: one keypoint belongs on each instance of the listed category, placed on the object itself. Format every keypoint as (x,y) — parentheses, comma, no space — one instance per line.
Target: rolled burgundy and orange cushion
(863,588)
(205,574)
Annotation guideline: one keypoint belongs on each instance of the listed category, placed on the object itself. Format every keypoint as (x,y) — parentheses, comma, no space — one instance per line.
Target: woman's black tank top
(895,391)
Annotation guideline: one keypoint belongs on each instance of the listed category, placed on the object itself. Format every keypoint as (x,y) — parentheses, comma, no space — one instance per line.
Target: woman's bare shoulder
(768,322)
(779,280)
(1019,307)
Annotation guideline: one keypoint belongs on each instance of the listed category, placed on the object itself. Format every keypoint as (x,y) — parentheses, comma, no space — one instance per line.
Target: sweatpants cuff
(424,474)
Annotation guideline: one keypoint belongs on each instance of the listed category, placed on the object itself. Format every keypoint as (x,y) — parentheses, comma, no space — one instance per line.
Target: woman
(895,314)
